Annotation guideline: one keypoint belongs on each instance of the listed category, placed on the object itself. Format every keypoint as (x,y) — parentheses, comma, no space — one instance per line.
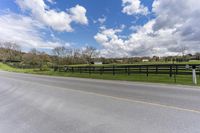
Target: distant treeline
(12,54)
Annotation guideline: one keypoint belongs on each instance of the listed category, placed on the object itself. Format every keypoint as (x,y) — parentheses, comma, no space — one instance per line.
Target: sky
(116,28)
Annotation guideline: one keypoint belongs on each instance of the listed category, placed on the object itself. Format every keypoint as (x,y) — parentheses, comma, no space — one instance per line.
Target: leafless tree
(31,58)
(88,53)
(197,55)
(62,51)
(183,50)
(34,51)
(63,55)
(11,46)
(36,58)
(10,51)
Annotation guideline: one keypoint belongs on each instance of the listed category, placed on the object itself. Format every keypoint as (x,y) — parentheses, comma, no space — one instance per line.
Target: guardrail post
(147,71)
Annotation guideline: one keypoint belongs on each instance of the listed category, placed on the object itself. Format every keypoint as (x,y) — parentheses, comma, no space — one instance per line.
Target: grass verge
(153,78)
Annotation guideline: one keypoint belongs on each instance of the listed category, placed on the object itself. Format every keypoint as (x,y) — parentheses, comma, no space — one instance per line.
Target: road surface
(42,104)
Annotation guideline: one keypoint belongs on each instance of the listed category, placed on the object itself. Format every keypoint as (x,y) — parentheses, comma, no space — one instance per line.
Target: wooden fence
(170,69)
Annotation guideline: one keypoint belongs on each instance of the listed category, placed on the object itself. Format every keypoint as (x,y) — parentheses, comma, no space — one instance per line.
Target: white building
(145,60)
(98,63)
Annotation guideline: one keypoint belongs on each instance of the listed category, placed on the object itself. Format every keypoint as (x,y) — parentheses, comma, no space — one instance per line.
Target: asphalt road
(42,104)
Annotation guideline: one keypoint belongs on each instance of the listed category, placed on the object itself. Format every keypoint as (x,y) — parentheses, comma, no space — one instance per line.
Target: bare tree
(88,53)
(11,46)
(36,58)
(34,51)
(197,56)
(10,51)
(63,55)
(44,60)
(62,51)
(31,58)
(183,50)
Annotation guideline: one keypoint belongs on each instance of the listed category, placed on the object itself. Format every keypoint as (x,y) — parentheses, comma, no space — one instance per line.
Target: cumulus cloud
(24,31)
(112,43)
(184,17)
(176,25)
(78,14)
(57,20)
(134,7)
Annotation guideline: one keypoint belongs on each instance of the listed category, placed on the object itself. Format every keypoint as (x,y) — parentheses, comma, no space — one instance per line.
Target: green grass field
(154,78)
(144,63)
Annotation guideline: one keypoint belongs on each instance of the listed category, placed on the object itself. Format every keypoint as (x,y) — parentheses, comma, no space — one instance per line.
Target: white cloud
(78,14)
(57,20)
(111,42)
(51,1)
(102,20)
(176,25)
(134,7)
(24,31)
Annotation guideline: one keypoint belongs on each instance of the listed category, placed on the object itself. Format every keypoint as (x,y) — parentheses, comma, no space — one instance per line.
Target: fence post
(176,69)
(175,73)
(113,70)
(59,69)
(72,69)
(156,69)
(199,71)
(94,70)
(170,73)
(80,69)
(65,69)
(128,70)
(102,70)
(89,70)
(147,71)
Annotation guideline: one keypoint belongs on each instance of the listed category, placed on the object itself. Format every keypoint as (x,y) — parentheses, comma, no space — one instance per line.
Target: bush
(44,68)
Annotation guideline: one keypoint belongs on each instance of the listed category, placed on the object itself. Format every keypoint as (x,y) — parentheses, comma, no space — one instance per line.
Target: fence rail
(170,69)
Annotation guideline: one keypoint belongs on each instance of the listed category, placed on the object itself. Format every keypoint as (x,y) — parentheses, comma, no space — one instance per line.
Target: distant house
(98,63)
(195,57)
(145,60)
(119,61)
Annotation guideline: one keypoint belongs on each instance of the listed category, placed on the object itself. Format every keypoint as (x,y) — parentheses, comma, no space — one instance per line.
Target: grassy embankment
(180,79)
